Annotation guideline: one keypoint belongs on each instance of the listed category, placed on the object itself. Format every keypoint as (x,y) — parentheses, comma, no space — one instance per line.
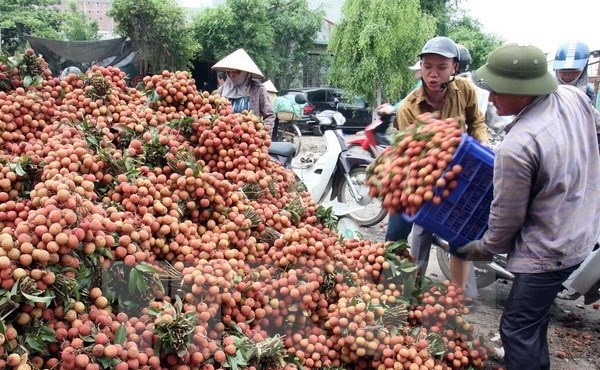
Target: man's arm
(475,120)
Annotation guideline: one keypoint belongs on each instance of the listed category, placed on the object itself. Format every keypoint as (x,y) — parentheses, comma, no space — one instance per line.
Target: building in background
(96,11)
(315,74)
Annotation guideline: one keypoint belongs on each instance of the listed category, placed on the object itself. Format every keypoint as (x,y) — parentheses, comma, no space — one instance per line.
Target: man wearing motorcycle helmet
(492,119)
(451,96)
(570,65)
(546,207)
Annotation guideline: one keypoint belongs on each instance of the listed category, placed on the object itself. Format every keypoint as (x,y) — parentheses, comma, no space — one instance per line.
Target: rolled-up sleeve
(475,120)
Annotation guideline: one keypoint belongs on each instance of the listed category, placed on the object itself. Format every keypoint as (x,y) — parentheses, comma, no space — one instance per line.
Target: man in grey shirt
(546,208)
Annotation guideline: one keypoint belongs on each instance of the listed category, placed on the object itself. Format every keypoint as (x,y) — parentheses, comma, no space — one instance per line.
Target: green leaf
(49,335)
(121,127)
(146,267)
(27,80)
(153,311)
(18,169)
(141,285)
(91,140)
(39,299)
(120,334)
(182,351)
(35,344)
(37,80)
(134,277)
(232,362)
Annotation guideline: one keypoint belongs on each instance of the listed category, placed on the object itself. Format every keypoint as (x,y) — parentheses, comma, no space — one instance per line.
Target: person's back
(565,191)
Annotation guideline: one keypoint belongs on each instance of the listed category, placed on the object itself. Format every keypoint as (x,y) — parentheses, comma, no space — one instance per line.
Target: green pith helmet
(515,69)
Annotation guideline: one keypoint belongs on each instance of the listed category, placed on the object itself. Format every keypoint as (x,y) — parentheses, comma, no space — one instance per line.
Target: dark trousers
(524,322)
(398,228)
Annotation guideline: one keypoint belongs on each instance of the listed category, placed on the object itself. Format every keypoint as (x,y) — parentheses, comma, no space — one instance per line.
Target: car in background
(355,109)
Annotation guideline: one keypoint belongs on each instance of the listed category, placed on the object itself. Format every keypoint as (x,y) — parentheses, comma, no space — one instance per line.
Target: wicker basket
(285,116)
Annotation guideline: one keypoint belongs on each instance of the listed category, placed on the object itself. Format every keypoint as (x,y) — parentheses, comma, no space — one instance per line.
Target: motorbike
(374,138)
(285,128)
(486,272)
(336,179)
(585,281)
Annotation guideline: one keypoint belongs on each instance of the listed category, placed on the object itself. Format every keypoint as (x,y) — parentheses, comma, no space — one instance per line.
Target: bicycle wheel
(371,212)
(290,133)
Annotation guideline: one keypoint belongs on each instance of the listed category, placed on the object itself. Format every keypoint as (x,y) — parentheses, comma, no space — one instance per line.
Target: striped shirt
(546,208)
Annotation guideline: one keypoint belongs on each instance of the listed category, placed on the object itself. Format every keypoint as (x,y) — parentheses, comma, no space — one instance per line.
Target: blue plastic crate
(462,216)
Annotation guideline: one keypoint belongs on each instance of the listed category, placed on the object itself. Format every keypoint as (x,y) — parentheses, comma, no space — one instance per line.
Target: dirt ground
(574,333)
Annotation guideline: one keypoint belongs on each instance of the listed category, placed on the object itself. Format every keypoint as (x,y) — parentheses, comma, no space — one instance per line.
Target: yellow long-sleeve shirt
(460,103)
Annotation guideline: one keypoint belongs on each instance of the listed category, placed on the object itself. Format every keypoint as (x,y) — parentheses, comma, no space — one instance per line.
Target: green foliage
(131,288)
(467,31)
(442,11)
(277,34)
(295,28)
(76,26)
(36,337)
(327,217)
(233,25)
(173,327)
(159,30)
(35,17)
(373,45)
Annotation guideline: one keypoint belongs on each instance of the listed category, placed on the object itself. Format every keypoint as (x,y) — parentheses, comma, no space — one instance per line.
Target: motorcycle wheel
(290,133)
(357,149)
(483,276)
(371,212)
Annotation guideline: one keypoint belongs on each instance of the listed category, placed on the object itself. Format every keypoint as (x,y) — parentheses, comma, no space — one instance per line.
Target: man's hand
(472,251)
(385,109)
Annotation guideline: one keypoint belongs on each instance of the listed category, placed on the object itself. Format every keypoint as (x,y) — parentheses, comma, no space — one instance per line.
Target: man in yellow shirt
(452,97)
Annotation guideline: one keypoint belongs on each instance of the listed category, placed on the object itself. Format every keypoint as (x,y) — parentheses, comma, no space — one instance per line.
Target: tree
(233,25)
(76,26)
(467,31)
(374,44)
(442,11)
(159,30)
(36,17)
(277,34)
(295,28)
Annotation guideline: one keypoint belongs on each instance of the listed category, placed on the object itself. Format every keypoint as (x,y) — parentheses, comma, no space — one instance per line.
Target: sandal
(568,295)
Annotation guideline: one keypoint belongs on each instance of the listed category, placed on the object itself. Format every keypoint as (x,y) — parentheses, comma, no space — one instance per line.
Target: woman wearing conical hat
(271,90)
(241,87)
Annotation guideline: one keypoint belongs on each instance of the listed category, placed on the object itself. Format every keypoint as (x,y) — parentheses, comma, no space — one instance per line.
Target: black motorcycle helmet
(464,59)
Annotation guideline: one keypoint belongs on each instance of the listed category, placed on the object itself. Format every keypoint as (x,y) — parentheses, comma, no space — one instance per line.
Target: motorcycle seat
(282,149)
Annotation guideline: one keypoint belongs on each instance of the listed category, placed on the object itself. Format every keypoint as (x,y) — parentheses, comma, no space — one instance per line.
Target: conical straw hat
(415,67)
(269,86)
(239,60)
